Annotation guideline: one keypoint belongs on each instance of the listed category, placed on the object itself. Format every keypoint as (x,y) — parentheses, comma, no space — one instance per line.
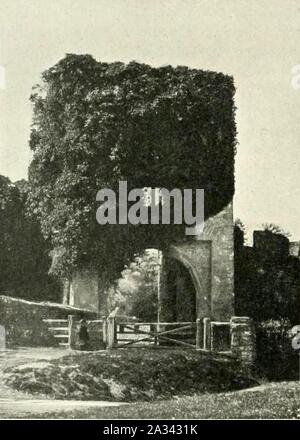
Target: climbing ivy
(98,123)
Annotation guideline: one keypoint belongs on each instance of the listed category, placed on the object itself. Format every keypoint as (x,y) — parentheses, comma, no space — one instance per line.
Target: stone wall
(243,341)
(23,321)
(294,248)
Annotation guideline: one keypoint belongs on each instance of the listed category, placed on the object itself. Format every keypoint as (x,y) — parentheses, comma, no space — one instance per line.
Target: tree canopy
(98,123)
(136,292)
(24,253)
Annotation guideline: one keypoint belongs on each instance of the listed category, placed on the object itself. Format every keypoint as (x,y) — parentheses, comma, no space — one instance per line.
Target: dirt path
(17,404)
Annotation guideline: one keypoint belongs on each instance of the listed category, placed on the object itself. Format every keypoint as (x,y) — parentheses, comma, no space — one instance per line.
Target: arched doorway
(181,293)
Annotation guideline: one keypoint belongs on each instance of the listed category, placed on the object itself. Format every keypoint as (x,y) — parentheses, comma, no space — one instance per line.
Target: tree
(136,292)
(275,229)
(24,254)
(98,123)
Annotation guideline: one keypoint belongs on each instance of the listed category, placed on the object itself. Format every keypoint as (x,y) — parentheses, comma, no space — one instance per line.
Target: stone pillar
(219,231)
(243,340)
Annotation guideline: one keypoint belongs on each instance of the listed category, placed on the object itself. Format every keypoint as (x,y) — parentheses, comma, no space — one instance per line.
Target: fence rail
(60,329)
(203,335)
(152,333)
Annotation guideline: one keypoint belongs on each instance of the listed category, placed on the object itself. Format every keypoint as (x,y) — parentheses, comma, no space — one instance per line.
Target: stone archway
(209,260)
(178,298)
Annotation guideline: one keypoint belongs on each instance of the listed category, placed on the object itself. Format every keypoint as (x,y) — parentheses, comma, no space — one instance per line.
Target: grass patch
(127,375)
(273,401)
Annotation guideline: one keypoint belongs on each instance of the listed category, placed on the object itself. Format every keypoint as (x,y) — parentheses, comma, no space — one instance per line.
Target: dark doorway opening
(181,293)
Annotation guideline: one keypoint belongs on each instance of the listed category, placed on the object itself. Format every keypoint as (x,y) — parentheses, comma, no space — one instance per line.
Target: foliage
(276,358)
(24,254)
(239,235)
(239,224)
(98,123)
(266,287)
(275,229)
(136,291)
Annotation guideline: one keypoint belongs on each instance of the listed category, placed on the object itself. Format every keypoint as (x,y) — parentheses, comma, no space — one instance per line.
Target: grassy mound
(268,401)
(126,375)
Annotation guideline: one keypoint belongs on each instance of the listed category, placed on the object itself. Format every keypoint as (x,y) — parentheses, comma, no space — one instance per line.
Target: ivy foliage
(98,123)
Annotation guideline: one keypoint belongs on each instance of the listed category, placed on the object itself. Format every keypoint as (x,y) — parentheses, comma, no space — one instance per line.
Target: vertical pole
(158,295)
(110,332)
(212,336)
(158,286)
(115,340)
(206,334)
(198,333)
(70,327)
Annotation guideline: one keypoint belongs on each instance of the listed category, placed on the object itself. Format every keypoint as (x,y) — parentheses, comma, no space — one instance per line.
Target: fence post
(110,332)
(212,336)
(104,331)
(206,334)
(198,333)
(153,329)
(70,327)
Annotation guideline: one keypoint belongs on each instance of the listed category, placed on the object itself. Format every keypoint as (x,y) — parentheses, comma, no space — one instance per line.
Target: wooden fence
(204,335)
(67,330)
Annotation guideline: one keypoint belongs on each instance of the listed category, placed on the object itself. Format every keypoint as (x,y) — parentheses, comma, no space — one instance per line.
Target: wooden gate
(203,335)
(163,334)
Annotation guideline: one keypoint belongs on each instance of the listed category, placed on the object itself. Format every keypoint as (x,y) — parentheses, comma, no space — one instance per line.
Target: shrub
(275,357)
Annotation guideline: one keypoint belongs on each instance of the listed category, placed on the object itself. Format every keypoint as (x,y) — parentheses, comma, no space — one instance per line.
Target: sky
(255,41)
